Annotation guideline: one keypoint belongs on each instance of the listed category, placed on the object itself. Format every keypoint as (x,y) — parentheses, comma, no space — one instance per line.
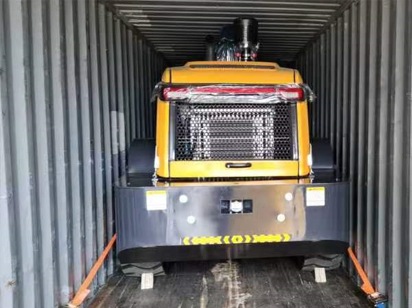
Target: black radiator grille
(233,132)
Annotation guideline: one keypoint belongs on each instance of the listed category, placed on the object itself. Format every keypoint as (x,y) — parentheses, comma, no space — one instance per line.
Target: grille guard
(222,132)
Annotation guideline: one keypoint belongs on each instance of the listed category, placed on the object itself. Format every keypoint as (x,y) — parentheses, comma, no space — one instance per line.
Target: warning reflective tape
(237,239)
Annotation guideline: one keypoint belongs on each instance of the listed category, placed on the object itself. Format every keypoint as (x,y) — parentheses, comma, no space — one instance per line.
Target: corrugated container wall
(75,87)
(360,69)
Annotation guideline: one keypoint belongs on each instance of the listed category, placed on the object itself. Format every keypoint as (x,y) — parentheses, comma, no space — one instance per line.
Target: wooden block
(147,281)
(320,275)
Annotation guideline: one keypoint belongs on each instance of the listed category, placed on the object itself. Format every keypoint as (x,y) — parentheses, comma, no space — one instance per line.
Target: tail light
(280,92)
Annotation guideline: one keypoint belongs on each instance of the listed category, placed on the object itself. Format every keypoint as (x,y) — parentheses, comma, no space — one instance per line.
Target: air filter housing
(246,31)
(246,38)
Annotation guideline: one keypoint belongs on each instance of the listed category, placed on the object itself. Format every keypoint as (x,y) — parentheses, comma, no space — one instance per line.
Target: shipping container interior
(76,79)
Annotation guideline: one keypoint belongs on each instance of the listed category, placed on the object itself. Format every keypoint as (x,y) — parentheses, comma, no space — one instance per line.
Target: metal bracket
(320,275)
(147,281)
(378,300)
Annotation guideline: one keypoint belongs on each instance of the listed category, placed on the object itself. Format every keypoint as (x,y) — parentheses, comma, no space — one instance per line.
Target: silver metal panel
(76,187)
(86,136)
(104,78)
(60,143)
(402,101)
(149,90)
(8,297)
(97,118)
(361,109)
(345,95)
(21,134)
(353,117)
(371,145)
(120,95)
(383,153)
(126,87)
(339,109)
(328,91)
(59,90)
(66,77)
(333,89)
(43,155)
(372,107)
(281,23)
(144,82)
(141,72)
(131,87)
(322,93)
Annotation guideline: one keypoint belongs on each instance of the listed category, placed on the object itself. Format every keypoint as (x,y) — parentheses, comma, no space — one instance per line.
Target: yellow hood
(211,72)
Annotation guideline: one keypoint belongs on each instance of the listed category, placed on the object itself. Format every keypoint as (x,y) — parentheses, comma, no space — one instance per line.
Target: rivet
(183,198)
(288,196)
(281,217)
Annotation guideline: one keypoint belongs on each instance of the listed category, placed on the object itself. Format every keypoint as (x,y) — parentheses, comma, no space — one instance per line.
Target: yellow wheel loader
(232,172)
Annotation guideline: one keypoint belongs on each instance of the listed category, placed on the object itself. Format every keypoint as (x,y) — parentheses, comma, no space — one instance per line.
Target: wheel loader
(233,172)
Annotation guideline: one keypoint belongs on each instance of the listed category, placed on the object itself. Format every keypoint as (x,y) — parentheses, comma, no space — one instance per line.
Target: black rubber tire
(137,269)
(328,262)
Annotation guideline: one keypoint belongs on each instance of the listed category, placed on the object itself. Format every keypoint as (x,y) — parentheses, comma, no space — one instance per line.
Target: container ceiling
(177,28)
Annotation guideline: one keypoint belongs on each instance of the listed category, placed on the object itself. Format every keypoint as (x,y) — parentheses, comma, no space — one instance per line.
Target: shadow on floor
(253,283)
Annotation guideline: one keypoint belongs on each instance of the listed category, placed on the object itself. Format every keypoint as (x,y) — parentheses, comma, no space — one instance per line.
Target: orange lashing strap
(84,288)
(367,286)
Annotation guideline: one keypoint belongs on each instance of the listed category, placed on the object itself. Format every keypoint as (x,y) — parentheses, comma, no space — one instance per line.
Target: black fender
(141,156)
(322,155)
(322,158)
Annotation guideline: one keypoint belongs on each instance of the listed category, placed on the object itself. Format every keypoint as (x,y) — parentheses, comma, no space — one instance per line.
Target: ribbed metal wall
(285,27)
(75,86)
(360,69)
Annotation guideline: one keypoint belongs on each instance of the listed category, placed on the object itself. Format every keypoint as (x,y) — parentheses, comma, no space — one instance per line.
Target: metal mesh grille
(233,132)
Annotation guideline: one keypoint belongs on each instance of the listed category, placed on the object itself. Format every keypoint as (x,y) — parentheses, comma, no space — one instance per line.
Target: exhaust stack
(210,48)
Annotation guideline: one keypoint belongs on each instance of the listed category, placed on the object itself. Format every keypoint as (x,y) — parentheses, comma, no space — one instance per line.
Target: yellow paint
(303,138)
(263,238)
(236,239)
(187,75)
(232,183)
(162,138)
(315,189)
(186,240)
(194,169)
(260,63)
(198,169)
(210,240)
(155,192)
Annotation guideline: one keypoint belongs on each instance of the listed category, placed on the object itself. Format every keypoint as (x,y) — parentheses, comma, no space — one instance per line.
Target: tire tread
(328,262)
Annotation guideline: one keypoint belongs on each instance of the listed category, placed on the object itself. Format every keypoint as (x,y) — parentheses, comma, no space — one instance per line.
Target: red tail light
(286,93)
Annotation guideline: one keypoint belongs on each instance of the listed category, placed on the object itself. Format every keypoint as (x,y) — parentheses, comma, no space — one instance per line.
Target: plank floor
(238,284)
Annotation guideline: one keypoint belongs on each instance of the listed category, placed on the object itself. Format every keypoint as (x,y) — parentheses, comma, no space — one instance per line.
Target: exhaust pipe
(210,48)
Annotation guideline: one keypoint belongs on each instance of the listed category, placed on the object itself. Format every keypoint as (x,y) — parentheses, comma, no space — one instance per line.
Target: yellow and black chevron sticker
(237,239)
